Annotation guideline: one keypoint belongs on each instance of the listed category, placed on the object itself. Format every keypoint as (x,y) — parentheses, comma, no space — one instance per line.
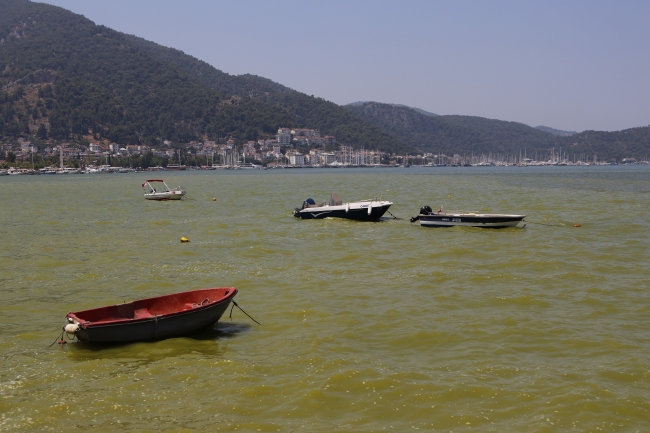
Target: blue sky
(571,65)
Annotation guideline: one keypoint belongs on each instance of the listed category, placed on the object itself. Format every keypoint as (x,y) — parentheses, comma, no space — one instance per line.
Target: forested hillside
(629,143)
(309,111)
(61,70)
(453,134)
(467,135)
(63,77)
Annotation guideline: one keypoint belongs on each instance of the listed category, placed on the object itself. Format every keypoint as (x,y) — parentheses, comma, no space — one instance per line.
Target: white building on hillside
(296,159)
(284,137)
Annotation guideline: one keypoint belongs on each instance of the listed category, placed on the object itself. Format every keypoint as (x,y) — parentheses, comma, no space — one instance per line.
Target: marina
(366,326)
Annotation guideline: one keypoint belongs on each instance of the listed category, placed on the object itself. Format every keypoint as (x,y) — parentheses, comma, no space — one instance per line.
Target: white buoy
(71,328)
(370,208)
(347,207)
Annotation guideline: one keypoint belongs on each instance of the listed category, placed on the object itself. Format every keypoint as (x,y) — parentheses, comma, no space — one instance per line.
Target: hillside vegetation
(64,78)
(78,79)
(309,111)
(466,135)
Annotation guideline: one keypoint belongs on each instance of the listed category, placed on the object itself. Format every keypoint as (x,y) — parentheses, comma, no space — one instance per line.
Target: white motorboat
(163,192)
(248,165)
(428,218)
(364,210)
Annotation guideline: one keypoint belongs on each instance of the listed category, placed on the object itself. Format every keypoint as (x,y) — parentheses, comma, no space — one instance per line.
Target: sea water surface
(366,327)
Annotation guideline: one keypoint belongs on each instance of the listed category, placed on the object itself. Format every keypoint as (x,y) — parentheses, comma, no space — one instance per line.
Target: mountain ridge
(419,110)
(477,135)
(556,131)
(113,86)
(65,78)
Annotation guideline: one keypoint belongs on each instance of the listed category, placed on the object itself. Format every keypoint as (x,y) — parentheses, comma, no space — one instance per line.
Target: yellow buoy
(577,225)
(214,199)
(184,239)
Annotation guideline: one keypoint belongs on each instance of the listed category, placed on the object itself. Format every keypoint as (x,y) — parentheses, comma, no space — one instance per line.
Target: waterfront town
(290,148)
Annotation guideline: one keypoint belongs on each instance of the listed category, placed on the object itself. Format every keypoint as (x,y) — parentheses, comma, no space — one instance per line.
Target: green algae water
(366,327)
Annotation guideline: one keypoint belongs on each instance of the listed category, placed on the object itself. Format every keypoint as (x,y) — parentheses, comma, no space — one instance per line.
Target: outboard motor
(424,210)
(305,205)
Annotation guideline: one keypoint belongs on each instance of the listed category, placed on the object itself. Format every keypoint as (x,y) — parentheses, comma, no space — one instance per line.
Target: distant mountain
(65,78)
(81,80)
(419,110)
(633,142)
(476,135)
(556,131)
(304,110)
(453,134)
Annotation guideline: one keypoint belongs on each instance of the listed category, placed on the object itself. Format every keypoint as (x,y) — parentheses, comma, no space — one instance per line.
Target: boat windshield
(154,187)
(335,200)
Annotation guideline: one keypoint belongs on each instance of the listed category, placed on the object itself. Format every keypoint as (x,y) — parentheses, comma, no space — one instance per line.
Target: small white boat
(163,192)
(248,166)
(364,210)
(429,218)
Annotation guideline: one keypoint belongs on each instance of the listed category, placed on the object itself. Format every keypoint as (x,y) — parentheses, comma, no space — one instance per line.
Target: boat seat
(142,313)
(335,200)
(317,205)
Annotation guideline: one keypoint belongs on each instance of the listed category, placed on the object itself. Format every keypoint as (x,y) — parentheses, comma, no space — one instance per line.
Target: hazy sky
(571,65)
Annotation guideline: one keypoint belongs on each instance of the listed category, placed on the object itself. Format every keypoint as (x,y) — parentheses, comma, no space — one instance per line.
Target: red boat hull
(153,318)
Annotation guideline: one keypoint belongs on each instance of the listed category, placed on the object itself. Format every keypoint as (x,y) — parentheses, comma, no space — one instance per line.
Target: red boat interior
(158,306)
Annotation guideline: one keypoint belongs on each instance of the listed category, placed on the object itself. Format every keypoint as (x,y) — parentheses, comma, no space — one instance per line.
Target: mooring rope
(202,303)
(59,339)
(543,224)
(394,217)
(234,304)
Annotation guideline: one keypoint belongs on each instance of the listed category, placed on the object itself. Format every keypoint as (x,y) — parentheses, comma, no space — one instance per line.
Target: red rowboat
(152,318)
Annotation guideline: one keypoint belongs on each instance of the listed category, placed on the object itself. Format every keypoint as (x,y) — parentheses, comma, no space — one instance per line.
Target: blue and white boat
(429,218)
(364,210)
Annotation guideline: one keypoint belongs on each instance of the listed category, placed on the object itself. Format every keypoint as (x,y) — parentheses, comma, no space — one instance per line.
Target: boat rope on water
(543,224)
(394,217)
(234,304)
(61,338)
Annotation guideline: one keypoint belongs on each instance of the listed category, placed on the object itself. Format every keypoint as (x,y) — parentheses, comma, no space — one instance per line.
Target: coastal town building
(284,137)
(302,132)
(328,158)
(295,158)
